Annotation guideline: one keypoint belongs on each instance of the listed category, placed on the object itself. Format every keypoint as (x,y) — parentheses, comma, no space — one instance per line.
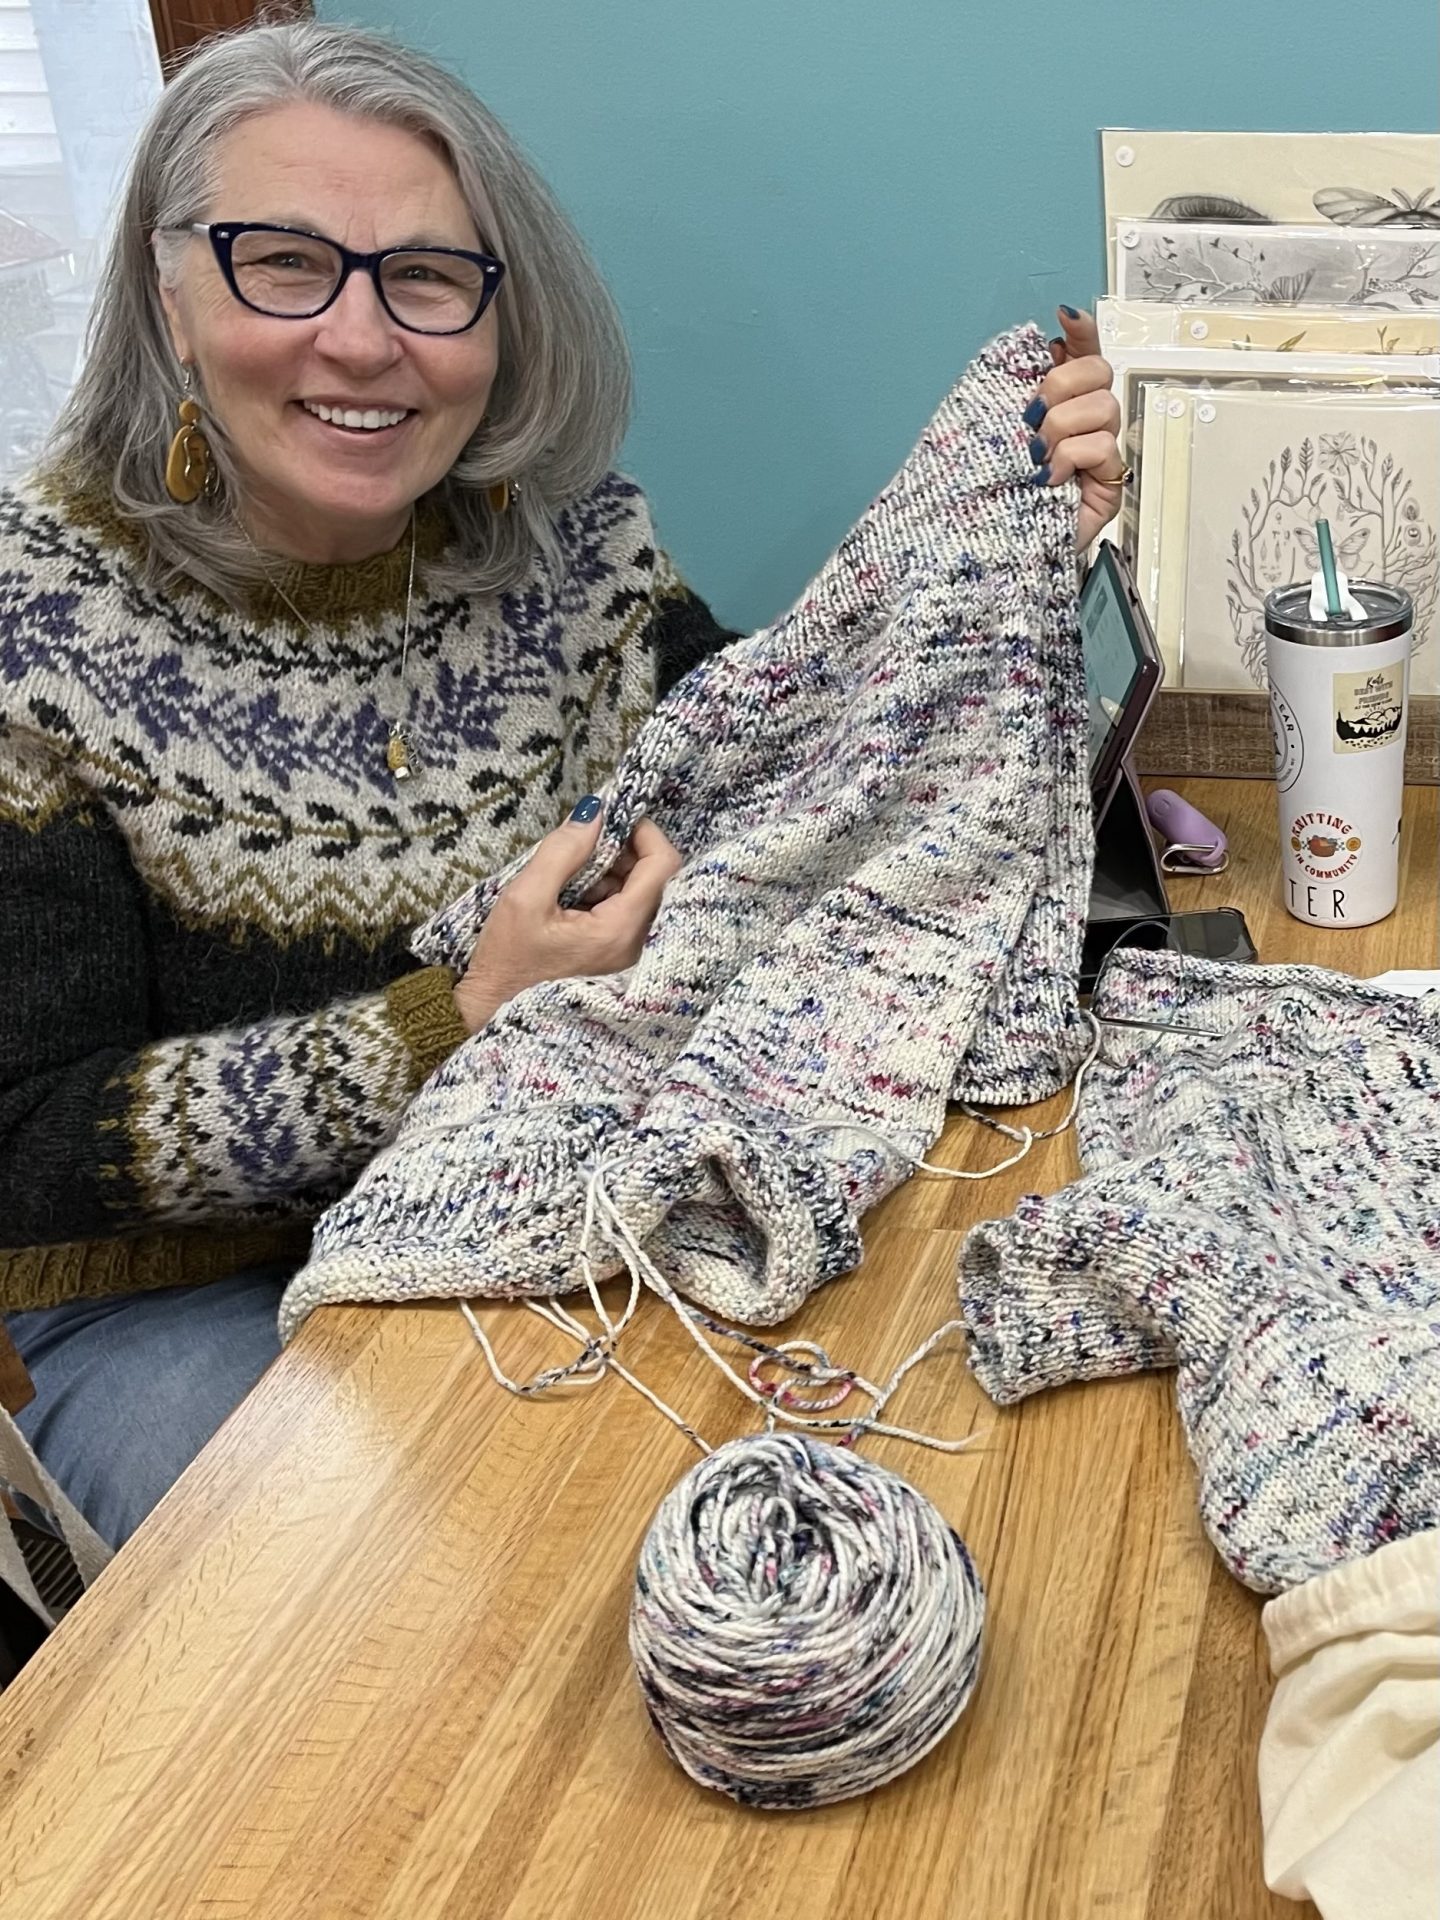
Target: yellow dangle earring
(499,495)
(189,470)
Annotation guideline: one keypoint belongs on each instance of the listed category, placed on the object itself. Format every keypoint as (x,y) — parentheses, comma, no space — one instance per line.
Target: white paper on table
(1410,980)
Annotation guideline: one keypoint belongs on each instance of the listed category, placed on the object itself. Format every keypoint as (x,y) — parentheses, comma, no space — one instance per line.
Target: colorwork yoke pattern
(884,809)
(210,879)
(1261,1210)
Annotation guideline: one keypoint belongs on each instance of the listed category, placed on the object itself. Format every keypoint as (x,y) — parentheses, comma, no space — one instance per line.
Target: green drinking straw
(1327,567)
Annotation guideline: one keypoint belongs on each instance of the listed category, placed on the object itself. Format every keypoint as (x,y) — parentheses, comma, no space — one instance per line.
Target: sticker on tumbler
(1289,741)
(1369,708)
(1326,845)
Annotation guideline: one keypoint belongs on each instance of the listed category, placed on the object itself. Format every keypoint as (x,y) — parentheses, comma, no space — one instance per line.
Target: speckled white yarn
(805,1624)
(884,810)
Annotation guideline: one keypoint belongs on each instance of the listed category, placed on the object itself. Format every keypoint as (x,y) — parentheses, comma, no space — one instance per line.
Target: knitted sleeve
(105,1127)
(1069,1288)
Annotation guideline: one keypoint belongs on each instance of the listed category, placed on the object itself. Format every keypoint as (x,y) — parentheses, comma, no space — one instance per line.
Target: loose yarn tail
(810,1366)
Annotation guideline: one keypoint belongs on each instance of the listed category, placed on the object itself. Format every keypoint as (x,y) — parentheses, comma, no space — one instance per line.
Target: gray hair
(558,408)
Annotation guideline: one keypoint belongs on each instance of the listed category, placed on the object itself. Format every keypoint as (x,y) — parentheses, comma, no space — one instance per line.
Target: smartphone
(1216,933)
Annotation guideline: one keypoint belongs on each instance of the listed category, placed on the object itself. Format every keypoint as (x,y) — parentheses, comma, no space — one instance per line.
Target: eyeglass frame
(222,235)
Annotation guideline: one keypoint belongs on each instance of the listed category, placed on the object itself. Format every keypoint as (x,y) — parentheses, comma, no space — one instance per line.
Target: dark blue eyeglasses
(292,275)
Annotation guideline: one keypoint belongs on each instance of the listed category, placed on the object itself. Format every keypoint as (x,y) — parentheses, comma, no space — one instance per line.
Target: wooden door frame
(180,25)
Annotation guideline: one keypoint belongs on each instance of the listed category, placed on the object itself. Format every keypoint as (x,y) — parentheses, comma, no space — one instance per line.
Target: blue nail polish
(1038,450)
(586,809)
(1070,313)
(1040,477)
(1035,412)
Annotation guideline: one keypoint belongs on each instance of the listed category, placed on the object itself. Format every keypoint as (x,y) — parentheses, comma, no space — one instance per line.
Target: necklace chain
(397,744)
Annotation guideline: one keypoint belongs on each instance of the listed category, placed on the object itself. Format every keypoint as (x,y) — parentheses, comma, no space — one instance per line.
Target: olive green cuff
(422,1009)
(53,1276)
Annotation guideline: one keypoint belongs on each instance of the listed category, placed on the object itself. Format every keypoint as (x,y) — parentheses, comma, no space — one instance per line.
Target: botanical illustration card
(1366,180)
(1128,324)
(1264,467)
(1195,362)
(1387,269)
(1172,532)
(1141,537)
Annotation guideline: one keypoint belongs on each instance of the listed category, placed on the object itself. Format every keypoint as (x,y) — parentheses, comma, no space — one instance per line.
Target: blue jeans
(128,1390)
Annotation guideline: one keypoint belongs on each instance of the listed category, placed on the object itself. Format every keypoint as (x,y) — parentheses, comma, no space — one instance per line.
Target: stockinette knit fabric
(883,803)
(1261,1211)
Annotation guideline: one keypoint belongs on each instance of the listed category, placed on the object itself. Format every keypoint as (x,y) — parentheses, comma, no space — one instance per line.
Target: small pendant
(397,754)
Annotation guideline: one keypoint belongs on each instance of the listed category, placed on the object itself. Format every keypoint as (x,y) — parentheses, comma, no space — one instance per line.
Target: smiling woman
(345,138)
(324,601)
(337,423)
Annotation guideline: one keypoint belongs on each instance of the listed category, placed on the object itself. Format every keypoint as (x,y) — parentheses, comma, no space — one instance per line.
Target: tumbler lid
(1389,612)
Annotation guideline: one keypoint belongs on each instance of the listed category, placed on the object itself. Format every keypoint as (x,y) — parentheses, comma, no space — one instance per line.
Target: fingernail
(585,809)
(1035,412)
(1038,450)
(1040,477)
(1070,313)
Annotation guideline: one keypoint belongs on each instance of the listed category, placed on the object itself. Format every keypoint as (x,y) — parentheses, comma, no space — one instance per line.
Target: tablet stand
(1128,879)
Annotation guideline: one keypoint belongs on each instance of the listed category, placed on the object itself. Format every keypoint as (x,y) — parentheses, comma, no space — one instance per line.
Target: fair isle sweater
(210,1018)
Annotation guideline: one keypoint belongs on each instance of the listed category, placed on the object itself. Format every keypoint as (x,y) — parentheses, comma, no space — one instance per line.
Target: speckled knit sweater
(1261,1210)
(211,1018)
(884,807)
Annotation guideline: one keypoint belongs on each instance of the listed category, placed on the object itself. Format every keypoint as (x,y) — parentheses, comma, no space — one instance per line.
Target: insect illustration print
(1349,549)
(1357,207)
(1206,209)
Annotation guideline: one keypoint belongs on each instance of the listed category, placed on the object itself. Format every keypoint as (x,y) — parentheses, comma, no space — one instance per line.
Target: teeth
(368,419)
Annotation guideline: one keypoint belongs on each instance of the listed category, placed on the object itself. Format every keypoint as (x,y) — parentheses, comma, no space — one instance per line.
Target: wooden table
(369,1656)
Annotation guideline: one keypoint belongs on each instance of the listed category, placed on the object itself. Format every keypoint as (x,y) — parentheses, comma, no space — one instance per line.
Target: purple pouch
(1193,844)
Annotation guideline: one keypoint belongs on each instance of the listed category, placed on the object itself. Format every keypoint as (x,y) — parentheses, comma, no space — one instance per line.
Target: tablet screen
(1121,665)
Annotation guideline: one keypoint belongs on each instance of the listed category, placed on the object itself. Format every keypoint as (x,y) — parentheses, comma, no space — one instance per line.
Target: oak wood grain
(368,1658)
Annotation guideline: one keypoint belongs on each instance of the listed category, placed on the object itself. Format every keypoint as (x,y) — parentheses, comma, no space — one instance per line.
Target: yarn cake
(805,1625)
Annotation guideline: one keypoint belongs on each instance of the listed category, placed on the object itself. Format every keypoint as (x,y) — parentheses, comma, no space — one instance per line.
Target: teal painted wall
(812,211)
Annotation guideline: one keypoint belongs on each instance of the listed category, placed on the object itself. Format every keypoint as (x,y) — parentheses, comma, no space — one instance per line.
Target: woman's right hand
(530,936)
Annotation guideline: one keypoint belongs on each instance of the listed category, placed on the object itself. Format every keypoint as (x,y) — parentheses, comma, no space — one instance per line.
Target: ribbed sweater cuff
(52,1276)
(1051,1296)
(422,1010)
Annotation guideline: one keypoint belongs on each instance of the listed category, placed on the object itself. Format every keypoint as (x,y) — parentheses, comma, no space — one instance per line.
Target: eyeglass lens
(292,275)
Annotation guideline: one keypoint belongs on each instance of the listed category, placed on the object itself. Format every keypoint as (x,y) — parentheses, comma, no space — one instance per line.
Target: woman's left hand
(1074,420)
